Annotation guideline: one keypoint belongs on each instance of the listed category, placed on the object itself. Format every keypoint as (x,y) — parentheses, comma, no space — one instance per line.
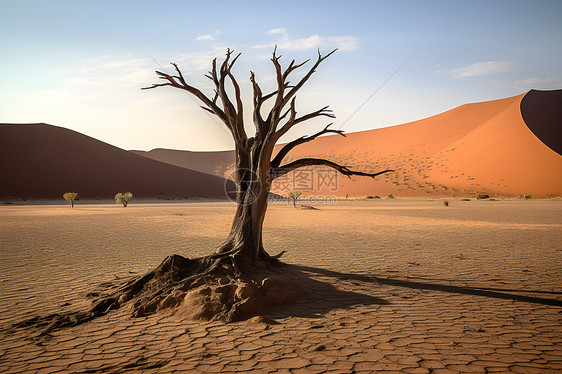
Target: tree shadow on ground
(497,293)
(320,296)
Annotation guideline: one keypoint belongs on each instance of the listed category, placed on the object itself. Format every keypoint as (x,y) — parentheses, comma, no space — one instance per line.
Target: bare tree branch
(220,83)
(239,106)
(258,101)
(233,117)
(303,80)
(275,112)
(303,162)
(294,121)
(276,162)
(292,66)
(260,98)
(179,82)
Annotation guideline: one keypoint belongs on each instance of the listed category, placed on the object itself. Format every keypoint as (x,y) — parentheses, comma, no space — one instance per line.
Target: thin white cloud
(139,78)
(481,68)
(344,43)
(539,84)
(205,37)
(139,72)
(199,60)
(277,31)
(118,73)
(127,64)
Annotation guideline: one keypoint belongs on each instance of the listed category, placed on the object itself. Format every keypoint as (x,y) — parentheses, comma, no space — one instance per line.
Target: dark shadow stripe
(463,290)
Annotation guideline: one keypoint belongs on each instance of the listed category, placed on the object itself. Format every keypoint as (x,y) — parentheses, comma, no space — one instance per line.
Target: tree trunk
(245,238)
(72,203)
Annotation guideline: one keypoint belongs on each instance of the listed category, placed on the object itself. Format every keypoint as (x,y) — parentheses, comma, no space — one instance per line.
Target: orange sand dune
(487,147)
(205,162)
(44,161)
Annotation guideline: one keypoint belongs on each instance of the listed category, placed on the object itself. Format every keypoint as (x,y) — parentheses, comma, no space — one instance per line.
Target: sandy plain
(406,286)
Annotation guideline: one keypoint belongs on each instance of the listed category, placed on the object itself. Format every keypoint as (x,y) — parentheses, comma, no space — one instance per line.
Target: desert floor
(407,286)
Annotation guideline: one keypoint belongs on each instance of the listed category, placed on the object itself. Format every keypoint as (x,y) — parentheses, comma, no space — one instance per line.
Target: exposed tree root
(208,288)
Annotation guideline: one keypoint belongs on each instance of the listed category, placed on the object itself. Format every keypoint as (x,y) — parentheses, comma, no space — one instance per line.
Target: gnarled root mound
(233,299)
(209,288)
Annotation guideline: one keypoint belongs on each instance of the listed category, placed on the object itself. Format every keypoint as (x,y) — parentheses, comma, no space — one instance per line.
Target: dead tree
(232,283)
(255,165)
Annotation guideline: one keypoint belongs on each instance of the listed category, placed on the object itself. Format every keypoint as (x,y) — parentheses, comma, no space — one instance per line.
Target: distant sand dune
(507,147)
(475,148)
(206,162)
(44,161)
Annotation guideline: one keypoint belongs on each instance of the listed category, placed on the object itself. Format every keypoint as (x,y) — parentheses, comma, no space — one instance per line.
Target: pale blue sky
(81,64)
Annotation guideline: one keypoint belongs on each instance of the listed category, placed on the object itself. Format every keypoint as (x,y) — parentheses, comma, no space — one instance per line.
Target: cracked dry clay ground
(473,287)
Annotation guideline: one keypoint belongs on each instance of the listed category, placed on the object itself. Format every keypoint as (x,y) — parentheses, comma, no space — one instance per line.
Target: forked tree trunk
(252,187)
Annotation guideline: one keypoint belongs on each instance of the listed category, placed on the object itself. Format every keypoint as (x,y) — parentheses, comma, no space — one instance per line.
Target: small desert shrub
(70,196)
(446,202)
(123,198)
(482,196)
(390,196)
(526,196)
(294,196)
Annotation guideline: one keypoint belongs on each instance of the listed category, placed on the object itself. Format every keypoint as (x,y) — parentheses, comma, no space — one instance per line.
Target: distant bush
(526,196)
(123,198)
(294,196)
(372,197)
(390,196)
(70,196)
(446,202)
(481,196)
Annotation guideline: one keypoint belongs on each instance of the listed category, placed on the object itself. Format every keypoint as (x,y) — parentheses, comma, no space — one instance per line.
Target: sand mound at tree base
(230,299)
(209,288)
